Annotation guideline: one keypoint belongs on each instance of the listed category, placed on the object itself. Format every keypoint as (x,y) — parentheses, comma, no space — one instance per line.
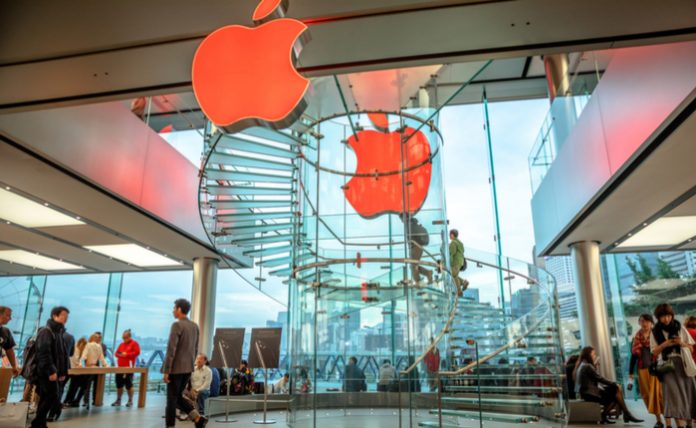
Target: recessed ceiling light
(36,261)
(133,254)
(27,213)
(664,231)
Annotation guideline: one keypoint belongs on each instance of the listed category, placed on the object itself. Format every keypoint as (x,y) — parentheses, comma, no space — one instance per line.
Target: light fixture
(36,261)
(27,213)
(665,231)
(133,254)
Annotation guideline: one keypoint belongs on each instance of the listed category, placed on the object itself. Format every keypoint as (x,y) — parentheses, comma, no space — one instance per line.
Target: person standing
(649,385)
(457,260)
(387,377)
(678,390)
(126,356)
(51,364)
(354,377)
(201,378)
(182,349)
(432,365)
(7,342)
(76,382)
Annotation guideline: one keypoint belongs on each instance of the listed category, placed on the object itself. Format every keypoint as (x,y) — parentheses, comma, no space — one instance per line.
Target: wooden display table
(5,379)
(101,373)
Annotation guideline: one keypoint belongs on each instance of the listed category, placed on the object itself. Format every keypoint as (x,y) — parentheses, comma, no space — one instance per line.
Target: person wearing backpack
(50,364)
(457,260)
(418,238)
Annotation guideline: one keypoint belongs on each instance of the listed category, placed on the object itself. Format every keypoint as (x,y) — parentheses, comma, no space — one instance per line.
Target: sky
(148,297)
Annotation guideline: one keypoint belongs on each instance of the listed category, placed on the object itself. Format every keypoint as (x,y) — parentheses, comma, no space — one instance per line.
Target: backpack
(419,234)
(29,362)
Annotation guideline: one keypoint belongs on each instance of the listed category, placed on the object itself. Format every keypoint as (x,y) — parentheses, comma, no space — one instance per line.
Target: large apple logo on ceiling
(246,76)
(378,184)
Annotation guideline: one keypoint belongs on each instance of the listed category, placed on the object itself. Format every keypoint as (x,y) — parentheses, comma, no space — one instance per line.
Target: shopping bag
(689,363)
(13,415)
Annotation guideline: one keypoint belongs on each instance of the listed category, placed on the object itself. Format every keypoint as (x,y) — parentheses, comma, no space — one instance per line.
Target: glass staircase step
(281,272)
(280,261)
(244,161)
(272,135)
(489,416)
(257,228)
(496,401)
(436,424)
(262,252)
(232,204)
(234,143)
(250,242)
(508,389)
(218,174)
(248,190)
(240,217)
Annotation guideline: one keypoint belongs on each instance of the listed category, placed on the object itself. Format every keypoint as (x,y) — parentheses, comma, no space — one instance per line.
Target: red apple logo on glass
(246,76)
(381,172)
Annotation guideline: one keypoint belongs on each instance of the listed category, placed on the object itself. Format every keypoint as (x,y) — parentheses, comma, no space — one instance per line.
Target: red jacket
(127,353)
(432,361)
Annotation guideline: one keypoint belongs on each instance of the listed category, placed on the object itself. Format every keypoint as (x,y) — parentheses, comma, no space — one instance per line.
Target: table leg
(99,398)
(142,392)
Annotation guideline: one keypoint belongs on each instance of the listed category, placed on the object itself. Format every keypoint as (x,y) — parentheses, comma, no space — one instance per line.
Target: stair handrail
(421,357)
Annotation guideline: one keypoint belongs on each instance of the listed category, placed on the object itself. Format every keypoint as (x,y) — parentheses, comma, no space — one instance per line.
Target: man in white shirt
(201,378)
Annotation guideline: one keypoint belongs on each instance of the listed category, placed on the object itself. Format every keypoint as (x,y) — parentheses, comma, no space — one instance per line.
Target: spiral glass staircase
(290,208)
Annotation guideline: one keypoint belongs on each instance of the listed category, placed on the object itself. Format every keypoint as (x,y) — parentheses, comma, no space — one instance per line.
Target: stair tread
(231,142)
(236,176)
(248,162)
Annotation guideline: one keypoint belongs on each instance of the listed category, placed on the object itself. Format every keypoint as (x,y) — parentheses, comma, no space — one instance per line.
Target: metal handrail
(498,351)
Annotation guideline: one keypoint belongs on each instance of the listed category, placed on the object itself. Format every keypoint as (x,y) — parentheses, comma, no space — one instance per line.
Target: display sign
(227,343)
(268,340)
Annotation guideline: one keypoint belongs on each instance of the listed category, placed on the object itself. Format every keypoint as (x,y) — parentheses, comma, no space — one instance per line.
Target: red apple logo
(246,76)
(372,194)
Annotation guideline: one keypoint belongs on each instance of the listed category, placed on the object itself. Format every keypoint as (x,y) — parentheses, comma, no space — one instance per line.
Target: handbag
(13,415)
(689,363)
(660,370)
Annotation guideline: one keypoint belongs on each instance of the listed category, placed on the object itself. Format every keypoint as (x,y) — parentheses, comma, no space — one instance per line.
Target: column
(562,103)
(203,301)
(592,309)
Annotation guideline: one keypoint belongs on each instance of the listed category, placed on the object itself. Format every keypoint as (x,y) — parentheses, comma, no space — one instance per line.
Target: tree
(664,270)
(642,272)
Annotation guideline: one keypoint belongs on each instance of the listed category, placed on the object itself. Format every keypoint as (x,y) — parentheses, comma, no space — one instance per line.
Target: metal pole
(478,383)
(265,421)
(229,381)
(203,300)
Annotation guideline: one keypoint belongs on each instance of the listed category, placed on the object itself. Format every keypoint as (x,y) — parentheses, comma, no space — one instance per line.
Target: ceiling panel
(83,235)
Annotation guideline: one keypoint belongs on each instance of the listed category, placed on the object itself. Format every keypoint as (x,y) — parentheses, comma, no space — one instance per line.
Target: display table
(5,379)
(101,373)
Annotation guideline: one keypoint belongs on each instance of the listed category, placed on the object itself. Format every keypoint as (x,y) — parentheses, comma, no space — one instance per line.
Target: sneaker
(116,403)
(202,422)
(129,403)
(465,285)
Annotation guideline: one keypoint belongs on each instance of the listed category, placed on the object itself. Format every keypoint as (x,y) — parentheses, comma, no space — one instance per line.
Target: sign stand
(265,421)
(227,419)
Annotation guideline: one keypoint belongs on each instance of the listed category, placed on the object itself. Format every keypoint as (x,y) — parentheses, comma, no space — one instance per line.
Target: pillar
(203,301)
(562,103)
(592,308)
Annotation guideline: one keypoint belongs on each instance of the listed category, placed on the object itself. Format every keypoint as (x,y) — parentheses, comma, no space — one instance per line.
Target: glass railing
(561,118)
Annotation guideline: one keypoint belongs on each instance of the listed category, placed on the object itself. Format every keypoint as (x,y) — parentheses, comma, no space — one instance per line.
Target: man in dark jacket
(51,364)
(182,349)
(353,378)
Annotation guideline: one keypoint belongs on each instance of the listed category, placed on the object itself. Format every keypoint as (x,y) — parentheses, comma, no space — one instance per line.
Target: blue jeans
(202,396)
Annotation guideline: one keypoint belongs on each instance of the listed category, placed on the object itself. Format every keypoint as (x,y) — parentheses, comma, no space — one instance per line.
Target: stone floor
(151,417)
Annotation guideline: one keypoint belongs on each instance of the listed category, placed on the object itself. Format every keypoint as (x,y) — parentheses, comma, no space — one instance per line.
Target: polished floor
(151,417)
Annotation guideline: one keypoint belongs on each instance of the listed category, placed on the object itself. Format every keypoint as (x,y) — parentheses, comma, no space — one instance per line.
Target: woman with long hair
(595,388)
(649,385)
(76,382)
(666,343)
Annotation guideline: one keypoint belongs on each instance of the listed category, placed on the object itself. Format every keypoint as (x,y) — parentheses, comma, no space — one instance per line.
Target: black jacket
(353,379)
(51,356)
(588,381)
